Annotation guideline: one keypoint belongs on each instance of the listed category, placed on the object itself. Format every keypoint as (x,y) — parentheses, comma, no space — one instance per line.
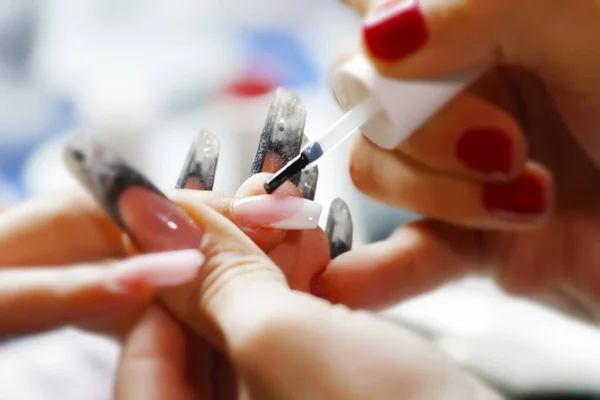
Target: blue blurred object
(54,117)
(285,51)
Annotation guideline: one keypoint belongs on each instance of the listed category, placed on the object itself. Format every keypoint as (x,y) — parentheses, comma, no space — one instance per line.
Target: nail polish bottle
(405,104)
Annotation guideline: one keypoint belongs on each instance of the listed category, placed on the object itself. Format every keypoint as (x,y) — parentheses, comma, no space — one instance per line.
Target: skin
(544,94)
(266,353)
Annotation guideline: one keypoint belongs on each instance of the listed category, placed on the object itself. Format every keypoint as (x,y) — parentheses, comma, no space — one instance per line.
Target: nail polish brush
(386,111)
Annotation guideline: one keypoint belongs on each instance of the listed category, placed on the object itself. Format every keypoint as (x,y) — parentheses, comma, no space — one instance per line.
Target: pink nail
(277,212)
(158,270)
(156,223)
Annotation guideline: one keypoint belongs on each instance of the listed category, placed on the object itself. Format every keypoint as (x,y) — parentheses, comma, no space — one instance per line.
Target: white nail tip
(306,218)
(159,269)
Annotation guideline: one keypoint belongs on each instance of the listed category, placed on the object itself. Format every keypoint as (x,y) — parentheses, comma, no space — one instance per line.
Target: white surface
(516,343)
(60,365)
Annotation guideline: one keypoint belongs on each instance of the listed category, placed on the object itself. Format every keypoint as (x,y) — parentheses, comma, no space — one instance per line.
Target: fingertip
(471,138)
(523,203)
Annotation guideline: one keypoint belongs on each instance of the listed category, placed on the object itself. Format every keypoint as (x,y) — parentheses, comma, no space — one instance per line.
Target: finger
(470,138)
(415,259)
(236,274)
(198,173)
(44,298)
(312,256)
(437,37)
(401,182)
(300,255)
(64,228)
(70,227)
(154,362)
(266,238)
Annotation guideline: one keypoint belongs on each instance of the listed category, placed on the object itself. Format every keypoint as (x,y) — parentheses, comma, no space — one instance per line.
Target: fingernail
(308,182)
(395,29)
(339,228)
(153,222)
(200,166)
(171,268)
(282,134)
(526,197)
(277,212)
(309,178)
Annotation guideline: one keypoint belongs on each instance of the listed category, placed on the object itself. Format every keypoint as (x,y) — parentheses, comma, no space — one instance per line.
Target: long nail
(395,29)
(309,178)
(200,166)
(526,197)
(275,212)
(282,135)
(487,151)
(153,222)
(171,268)
(339,228)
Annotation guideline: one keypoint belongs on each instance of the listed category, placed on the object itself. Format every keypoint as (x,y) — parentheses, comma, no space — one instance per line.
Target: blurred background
(145,76)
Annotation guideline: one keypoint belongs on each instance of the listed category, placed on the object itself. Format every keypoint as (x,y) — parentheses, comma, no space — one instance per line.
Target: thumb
(412,38)
(237,282)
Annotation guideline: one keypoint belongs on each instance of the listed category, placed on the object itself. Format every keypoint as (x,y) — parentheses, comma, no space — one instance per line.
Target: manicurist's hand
(506,174)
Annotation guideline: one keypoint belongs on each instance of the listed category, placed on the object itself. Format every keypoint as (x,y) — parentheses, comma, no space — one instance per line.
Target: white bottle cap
(406,104)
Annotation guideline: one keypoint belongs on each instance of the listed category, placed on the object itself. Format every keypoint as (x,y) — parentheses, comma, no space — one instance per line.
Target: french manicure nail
(153,222)
(487,151)
(525,198)
(395,29)
(277,212)
(171,268)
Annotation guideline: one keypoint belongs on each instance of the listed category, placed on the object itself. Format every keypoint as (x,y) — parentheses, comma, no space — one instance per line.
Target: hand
(280,343)
(49,276)
(508,172)
(251,328)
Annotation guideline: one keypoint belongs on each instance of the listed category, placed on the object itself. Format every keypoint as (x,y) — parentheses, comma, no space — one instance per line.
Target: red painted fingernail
(395,29)
(487,151)
(525,197)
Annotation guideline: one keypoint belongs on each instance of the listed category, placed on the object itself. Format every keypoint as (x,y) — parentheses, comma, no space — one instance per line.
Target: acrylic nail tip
(103,172)
(282,134)
(305,219)
(308,182)
(200,165)
(158,269)
(339,229)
